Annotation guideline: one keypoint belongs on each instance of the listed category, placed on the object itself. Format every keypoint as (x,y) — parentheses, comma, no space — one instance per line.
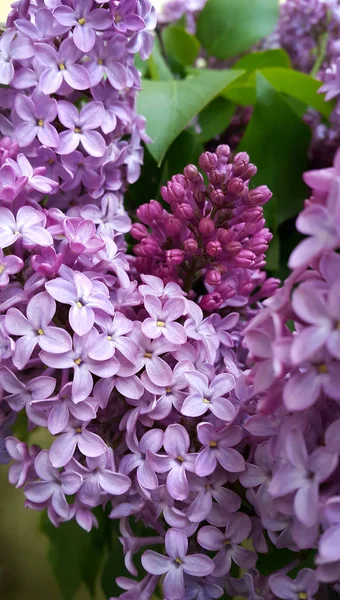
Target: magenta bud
(233,247)
(155,210)
(213,277)
(184,211)
(199,196)
(149,247)
(217,197)
(241,157)
(206,226)
(223,151)
(253,214)
(216,177)
(245,259)
(174,256)
(190,245)
(173,226)
(258,246)
(138,231)
(213,248)
(211,302)
(235,186)
(250,172)
(173,193)
(208,161)
(142,213)
(259,195)
(225,236)
(191,172)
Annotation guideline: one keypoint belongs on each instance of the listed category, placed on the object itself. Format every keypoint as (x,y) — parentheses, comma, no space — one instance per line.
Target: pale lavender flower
(237,530)
(21,395)
(176,564)
(151,441)
(84,20)
(328,558)
(108,60)
(218,447)
(37,114)
(9,265)
(62,450)
(28,225)
(36,329)
(114,337)
(12,47)
(209,396)
(80,128)
(20,472)
(58,66)
(304,586)
(163,319)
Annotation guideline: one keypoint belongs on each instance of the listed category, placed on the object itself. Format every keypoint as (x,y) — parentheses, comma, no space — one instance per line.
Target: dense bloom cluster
(216,232)
(71,104)
(293,477)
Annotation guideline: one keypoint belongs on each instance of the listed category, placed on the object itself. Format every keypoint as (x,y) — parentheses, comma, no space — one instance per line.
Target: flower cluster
(71,100)
(170,11)
(216,232)
(293,476)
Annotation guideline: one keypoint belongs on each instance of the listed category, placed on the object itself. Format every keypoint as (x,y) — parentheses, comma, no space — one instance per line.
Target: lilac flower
(37,114)
(124,16)
(27,225)
(328,558)
(305,585)
(61,408)
(35,178)
(176,564)
(82,170)
(303,474)
(58,66)
(63,448)
(99,479)
(84,20)
(305,385)
(149,357)
(162,319)
(22,395)
(114,337)
(106,61)
(217,448)
(132,544)
(10,185)
(52,486)
(207,489)
(206,396)
(78,359)
(23,469)
(35,329)
(81,236)
(176,461)
(12,47)
(9,265)
(151,441)
(108,217)
(84,296)
(44,27)
(80,128)
(171,394)
(237,530)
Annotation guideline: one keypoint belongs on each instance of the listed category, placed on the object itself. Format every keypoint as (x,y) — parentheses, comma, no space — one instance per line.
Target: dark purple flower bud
(235,186)
(184,211)
(155,210)
(191,172)
(211,302)
(251,215)
(216,177)
(190,245)
(173,193)
(225,236)
(206,226)
(259,195)
(223,151)
(149,246)
(175,256)
(217,197)
(244,258)
(173,226)
(208,161)
(139,231)
(213,277)
(250,172)
(213,248)
(233,247)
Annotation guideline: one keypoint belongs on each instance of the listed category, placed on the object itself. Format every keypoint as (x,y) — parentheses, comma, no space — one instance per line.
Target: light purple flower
(22,395)
(237,530)
(84,296)
(80,128)
(175,462)
(108,217)
(84,20)
(81,236)
(151,441)
(206,489)
(52,486)
(106,61)
(162,319)
(23,469)
(58,66)
(63,448)
(35,179)
(304,586)
(303,474)
(78,359)
(27,225)
(114,337)
(218,448)
(9,265)
(12,47)
(85,170)
(176,564)
(35,329)
(37,114)
(206,396)
(328,558)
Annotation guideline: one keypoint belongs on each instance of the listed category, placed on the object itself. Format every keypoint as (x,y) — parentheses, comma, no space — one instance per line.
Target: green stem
(190,276)
(323,42)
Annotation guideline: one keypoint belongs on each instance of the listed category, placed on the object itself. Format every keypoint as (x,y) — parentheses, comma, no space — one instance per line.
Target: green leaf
(75,555)
(274,560)
(180,45)
(114,566)
(169,106)
(265,58)
(227,28)
(300,86)
(277,142)
(158,68)
(215,118)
